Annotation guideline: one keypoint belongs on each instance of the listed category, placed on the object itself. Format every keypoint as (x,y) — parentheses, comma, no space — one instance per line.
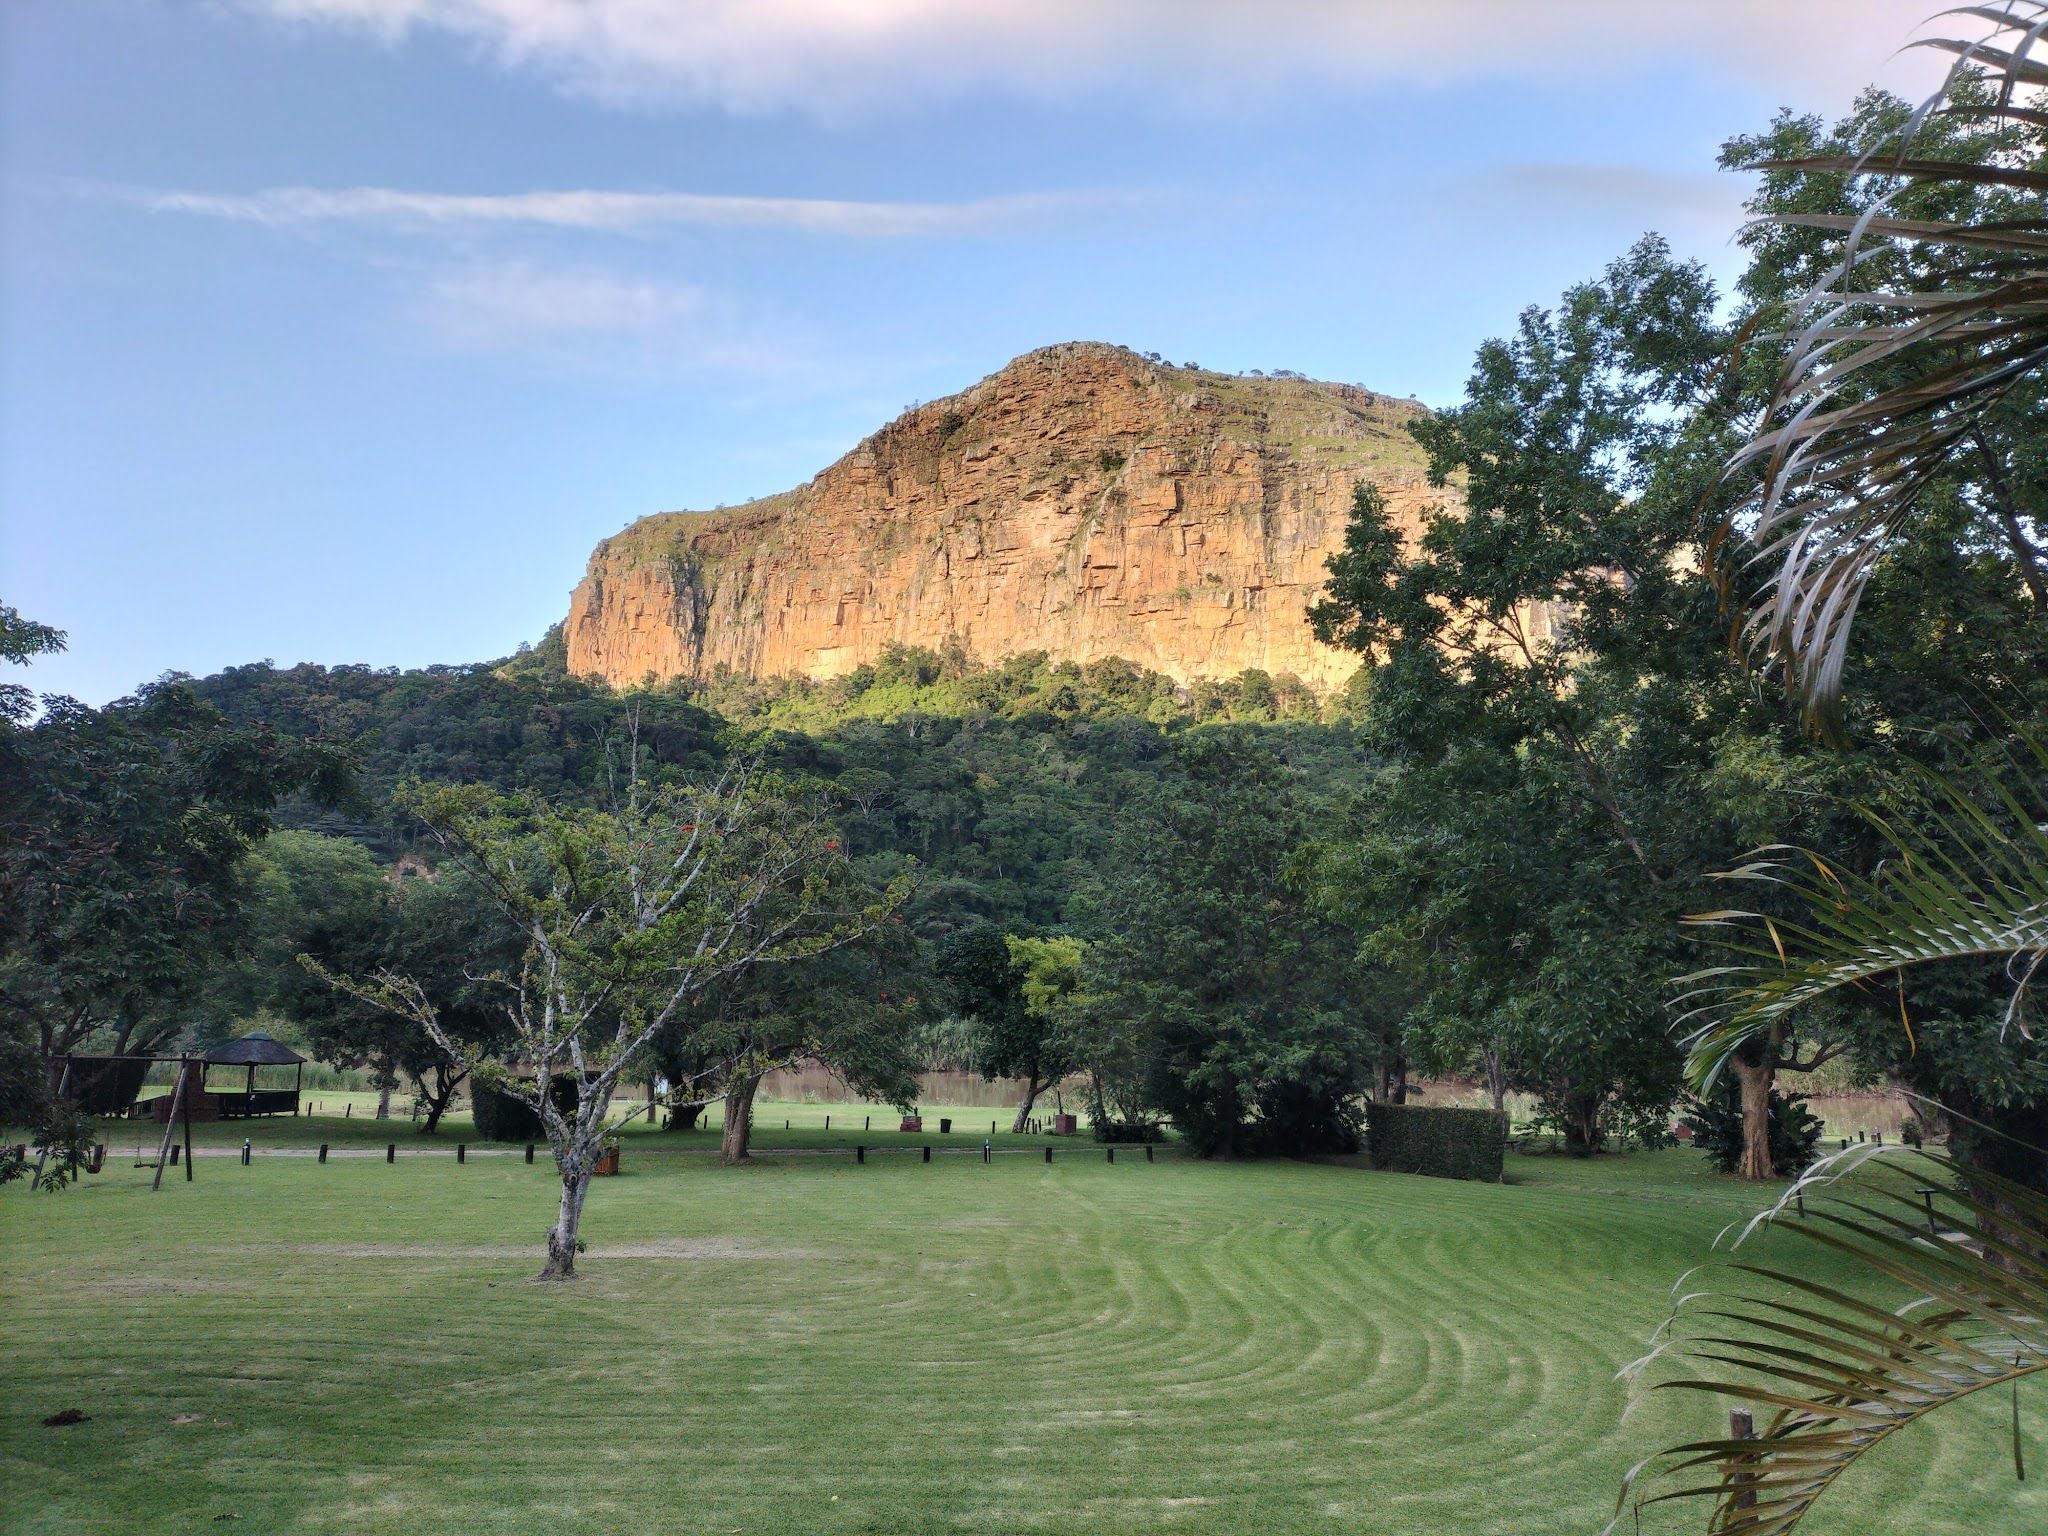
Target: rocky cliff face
(1083,501)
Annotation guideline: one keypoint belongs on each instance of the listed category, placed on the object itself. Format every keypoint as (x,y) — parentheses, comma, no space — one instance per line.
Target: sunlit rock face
(1084,501)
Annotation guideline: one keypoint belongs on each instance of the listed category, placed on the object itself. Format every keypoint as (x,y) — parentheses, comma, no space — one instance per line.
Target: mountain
(1084,501)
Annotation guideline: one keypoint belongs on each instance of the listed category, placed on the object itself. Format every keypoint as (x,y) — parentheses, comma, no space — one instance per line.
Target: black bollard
(984,1151)
(860,1154)
(1111,1151)
(529,1152)
(828,1122)
(927,1154)
(323,1151)
(461,1152)
(1148,1151)
(245,1151)
(174,1154)
(1048,1154)
(867,1122)
(391,1152)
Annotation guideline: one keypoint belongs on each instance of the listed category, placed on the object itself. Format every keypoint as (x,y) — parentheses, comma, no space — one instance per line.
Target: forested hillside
(1004,783)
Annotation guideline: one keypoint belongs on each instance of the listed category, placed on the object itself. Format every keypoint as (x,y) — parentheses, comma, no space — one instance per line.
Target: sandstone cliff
(1083,501)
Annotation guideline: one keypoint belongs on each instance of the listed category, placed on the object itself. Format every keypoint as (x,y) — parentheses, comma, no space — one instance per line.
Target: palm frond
(1879,390)
(1832,1371)
(1966,875)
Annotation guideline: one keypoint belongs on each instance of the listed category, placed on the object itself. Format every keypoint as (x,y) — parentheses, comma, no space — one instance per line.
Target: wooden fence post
(1742,1426)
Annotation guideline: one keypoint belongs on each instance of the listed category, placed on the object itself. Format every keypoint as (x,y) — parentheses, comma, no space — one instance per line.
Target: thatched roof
(253,1049)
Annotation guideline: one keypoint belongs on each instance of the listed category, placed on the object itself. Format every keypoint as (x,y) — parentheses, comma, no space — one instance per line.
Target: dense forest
(1002,785)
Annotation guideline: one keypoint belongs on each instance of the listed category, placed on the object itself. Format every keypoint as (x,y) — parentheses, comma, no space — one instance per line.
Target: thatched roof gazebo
(254,1050)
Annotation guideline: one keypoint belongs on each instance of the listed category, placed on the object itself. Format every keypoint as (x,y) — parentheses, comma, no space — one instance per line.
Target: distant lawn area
(811,1346)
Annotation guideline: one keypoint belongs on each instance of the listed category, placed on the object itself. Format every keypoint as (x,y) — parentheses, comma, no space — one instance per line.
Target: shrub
(502,1116)
(1717,1130)
(1444,1143)
(1120,1132)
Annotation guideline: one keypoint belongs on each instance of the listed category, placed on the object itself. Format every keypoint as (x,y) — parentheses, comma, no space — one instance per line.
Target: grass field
(812,1346)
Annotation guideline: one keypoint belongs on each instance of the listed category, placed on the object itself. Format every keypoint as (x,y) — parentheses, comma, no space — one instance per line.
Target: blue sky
(340,330)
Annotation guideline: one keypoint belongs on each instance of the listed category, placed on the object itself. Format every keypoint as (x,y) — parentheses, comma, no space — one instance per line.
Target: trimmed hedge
(1444,1143)
(501,1116)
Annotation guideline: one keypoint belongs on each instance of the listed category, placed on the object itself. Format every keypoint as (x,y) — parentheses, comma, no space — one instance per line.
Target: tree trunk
(1581,1114)
(1755,1080)
(562,1236)
(1496,1078)
(439,1095)
(1031,1092)
(739,1119)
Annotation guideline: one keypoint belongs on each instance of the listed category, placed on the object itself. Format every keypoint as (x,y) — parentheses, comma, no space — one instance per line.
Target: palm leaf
(1966,876)
(1880,390)
(1832,1371)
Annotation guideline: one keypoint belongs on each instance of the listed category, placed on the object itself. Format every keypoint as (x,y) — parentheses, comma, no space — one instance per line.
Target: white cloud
(595,320)
(841,57)
(389,207)
(500,304)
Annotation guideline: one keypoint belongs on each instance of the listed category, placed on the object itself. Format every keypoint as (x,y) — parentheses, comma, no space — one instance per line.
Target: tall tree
(1238,989)
(328,900)
(855,1008)
(121,831)
(628,915)
(988,978)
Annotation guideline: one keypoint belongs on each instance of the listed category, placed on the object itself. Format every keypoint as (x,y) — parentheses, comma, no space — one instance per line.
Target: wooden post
(323,1151)
(391,1152)
(171,1126)
(1148,1151)
(1742,1426)
(1048,1154)
(828,1122)
(461,1152)
(867,1122)
(860,1154)
(1111,1153)
(188,1127)
(529,1153)
(927,1154)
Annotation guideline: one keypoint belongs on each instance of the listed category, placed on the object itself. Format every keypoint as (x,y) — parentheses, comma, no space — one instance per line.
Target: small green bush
(1444,1143)
(1717,1130)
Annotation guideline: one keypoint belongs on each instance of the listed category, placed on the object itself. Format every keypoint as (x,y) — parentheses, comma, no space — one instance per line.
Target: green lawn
(810,1346)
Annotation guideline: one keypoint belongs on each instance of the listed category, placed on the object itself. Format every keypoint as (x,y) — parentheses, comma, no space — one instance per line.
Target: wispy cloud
(840,57)
(598,210)
(596,320)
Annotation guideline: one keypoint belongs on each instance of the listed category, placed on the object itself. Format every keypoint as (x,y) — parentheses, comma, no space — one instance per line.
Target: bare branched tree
(628,914)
